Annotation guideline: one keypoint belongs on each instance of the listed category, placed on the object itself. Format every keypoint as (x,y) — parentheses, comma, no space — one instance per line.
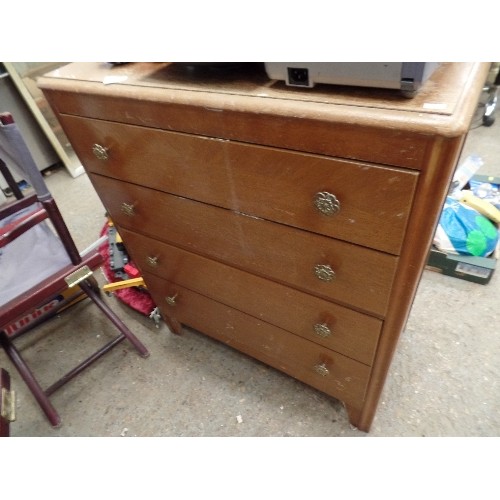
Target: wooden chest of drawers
(292,225)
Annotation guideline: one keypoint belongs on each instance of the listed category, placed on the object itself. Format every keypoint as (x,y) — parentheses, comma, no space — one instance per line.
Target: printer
(407,77)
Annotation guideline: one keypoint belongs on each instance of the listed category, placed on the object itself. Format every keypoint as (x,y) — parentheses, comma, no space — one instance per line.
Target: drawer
(327,371)
(373,202)
(338,328)
(326,267)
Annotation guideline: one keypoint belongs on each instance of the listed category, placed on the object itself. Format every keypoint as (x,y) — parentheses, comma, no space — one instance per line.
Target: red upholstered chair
(39,260)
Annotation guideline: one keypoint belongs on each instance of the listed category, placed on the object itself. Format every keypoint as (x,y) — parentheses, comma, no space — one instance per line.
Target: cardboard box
(466,267)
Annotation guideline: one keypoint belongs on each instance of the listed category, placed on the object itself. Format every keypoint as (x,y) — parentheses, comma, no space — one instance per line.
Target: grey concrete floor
(444,379)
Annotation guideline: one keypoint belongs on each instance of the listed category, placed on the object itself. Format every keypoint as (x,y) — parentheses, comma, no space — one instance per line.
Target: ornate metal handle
(322,370)
(322,329)
(327,203)
(100,152)
(171,301)
(152,261)
(324,272)
(128,209)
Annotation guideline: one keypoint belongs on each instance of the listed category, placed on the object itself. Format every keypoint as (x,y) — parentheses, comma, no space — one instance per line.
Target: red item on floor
(137,298)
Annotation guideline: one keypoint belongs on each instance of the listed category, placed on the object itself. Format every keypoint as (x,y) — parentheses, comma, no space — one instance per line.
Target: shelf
(24,75)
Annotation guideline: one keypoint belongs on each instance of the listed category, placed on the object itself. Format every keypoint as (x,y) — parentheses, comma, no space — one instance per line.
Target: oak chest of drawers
(292,225)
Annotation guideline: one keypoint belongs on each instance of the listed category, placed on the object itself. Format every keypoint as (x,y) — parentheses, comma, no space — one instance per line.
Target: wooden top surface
(444,104)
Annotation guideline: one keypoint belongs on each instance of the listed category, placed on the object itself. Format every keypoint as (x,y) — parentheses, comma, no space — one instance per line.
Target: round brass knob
(171,301)
(324,272)
(128,209)
(100,152)
(322,329)
(322,370)
(326,203)
(152,261)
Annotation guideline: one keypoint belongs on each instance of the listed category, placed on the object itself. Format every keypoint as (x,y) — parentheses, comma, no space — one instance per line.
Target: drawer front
(352,201)
(316,264)
(330,372)
(338,328)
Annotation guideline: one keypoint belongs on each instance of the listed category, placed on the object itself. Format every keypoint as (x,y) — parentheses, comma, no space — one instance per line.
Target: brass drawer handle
(327,203)
(100,152)
(322,370)
(324,272)
(322,329)
(171,301)
(152,261)
(128,209)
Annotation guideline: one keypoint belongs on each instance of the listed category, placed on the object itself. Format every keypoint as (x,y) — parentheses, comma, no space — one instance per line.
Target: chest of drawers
(291,225)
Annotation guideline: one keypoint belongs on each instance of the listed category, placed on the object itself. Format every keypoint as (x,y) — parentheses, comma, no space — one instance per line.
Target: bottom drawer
(326,370)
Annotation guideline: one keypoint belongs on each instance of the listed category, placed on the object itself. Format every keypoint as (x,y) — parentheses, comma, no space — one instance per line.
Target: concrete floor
(444,380)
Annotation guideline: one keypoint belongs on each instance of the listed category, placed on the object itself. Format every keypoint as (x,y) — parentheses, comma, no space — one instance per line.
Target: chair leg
(82,366)
(42,396)
(30,380)
(94,295)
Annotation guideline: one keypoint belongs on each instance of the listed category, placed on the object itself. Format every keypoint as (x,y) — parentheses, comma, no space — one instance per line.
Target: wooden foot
(173,325)
(357,418)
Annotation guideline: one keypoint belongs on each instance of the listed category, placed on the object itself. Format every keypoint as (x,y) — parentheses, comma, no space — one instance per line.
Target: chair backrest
(14,151)
(30,249)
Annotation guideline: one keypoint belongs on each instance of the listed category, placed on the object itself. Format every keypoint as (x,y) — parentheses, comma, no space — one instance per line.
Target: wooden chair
(38,261)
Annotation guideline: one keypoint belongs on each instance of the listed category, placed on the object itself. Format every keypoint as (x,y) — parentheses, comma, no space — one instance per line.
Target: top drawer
(356,202)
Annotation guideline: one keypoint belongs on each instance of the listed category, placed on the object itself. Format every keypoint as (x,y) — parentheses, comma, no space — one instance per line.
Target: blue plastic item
(463,230)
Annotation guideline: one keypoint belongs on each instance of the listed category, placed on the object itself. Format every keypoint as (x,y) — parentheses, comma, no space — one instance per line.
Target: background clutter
(466,242)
